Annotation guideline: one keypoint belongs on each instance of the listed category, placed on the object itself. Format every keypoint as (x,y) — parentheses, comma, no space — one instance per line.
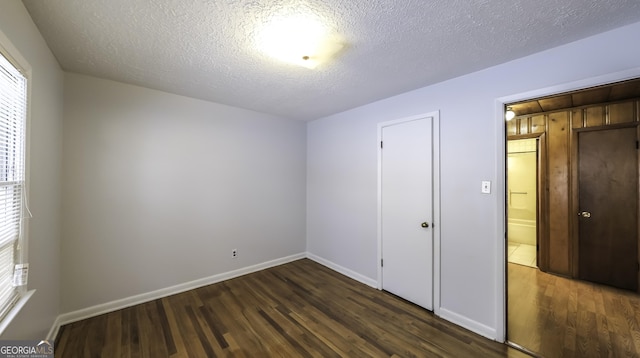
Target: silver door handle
(584,214)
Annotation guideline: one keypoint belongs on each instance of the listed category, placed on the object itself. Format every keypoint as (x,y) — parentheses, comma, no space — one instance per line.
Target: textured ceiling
(206,49)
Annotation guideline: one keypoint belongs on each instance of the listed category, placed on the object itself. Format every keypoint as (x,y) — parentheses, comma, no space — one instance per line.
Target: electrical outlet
(234,253)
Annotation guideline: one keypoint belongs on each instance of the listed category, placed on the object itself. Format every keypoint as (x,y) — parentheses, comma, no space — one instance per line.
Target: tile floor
(521,254)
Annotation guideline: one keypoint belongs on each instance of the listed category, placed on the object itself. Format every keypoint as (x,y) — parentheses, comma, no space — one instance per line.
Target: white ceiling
(205,48)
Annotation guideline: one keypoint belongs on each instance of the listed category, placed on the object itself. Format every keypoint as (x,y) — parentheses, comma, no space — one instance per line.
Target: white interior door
(406,179)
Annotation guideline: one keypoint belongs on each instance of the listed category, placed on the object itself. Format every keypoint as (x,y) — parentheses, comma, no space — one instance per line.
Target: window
(13,116)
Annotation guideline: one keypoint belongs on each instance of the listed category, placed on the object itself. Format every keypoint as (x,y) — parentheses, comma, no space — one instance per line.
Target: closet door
(407,210)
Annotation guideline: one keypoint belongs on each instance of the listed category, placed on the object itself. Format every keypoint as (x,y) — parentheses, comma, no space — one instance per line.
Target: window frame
(11,53)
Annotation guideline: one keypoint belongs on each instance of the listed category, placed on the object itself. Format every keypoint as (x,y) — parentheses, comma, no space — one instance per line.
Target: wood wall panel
(558,172)
(577,118)
(594,116)
(621,113)
(512,128)
(524,125)
(538,124)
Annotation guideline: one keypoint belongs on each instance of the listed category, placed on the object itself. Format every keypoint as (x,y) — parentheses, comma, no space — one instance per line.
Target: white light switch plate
(486,187)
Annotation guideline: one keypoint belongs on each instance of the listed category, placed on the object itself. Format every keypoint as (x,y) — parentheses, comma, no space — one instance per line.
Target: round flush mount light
(298,39)
(509,114)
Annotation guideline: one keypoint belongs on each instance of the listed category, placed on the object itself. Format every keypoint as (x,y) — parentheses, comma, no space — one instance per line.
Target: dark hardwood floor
(301,309)
(559,317)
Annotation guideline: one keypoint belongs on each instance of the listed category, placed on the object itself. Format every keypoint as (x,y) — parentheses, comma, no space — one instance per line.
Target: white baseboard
(462,321)
(343,270)
(443,313)
(107,307)
(53,332)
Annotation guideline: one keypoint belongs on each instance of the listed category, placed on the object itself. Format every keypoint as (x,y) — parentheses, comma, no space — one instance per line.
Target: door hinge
(380,144)
(637,144)
(381,263)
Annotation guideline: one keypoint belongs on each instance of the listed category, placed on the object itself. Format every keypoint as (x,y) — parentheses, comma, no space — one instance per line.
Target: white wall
(158,189)
(45,149)
(342,171)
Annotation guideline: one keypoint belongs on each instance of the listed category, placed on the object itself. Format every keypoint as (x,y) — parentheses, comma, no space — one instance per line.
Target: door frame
(501,175)
(435,160)
(575,195)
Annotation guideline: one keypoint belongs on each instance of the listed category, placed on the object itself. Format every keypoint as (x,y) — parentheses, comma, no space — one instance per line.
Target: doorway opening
(566,305)
(522,206)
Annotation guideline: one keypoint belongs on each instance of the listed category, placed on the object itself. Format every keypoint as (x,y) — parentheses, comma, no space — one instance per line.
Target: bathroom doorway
(522,203)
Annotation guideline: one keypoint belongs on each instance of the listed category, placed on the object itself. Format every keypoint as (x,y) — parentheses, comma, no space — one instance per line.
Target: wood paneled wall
(560,129)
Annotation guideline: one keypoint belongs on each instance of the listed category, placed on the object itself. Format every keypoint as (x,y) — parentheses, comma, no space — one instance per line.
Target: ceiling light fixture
(300,40)
(509,114)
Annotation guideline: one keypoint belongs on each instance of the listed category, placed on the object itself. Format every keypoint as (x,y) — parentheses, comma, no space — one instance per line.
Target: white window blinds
(13,114)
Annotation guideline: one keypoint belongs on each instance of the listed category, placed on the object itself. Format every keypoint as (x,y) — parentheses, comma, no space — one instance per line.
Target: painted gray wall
(45,150)
(159,188)
(342,170)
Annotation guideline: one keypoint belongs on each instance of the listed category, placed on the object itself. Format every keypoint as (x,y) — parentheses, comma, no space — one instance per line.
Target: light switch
(486,187)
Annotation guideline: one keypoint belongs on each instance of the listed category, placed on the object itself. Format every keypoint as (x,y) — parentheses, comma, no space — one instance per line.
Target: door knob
(584,214)
(424,224)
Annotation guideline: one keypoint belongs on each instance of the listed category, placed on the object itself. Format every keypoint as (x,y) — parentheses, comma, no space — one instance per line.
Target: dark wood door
(608,211)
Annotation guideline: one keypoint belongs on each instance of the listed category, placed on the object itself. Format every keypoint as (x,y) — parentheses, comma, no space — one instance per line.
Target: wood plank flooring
(560,317)
(300,309)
